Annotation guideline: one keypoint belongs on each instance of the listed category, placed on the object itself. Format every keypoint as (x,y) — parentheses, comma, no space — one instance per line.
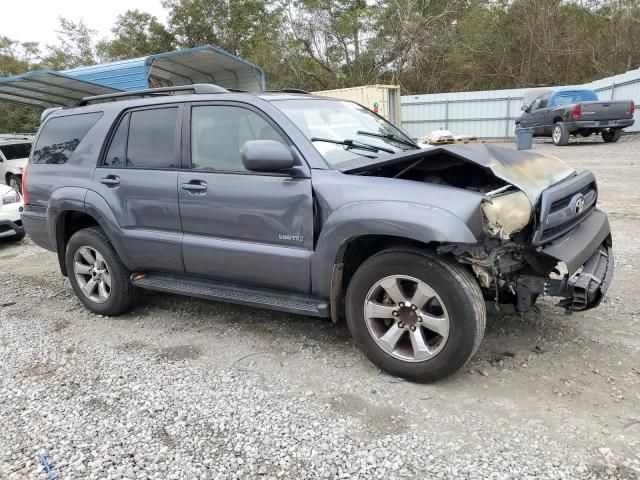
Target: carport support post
(446,114)
(613,89)
(506,130)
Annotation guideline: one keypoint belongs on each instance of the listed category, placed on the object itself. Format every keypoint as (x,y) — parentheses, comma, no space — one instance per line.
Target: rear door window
(152,138)
(16,151)
(61,136)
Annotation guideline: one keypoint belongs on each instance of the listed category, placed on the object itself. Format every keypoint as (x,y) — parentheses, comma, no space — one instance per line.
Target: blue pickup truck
(562,113)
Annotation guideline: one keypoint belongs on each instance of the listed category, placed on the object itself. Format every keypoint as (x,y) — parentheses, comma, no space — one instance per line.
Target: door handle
(110,180)
(195,186)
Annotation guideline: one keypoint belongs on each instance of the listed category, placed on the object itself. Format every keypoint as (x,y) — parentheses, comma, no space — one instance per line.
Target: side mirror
(266,156)
(524,108)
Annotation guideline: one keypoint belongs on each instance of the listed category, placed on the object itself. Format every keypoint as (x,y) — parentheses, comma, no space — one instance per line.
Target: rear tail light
(25,196)
(576,112)
(633,108)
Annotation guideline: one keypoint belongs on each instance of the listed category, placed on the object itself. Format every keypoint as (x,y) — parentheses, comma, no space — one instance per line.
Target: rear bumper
(599,124)
(35,224)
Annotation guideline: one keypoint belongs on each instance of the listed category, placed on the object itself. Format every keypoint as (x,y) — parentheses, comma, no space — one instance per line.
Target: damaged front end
(564,251)
(540,232)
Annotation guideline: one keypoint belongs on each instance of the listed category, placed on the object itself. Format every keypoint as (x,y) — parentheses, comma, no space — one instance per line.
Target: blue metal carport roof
(47,89)
(206,64)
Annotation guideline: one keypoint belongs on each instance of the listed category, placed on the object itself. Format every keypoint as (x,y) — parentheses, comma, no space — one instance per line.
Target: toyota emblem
(579,205)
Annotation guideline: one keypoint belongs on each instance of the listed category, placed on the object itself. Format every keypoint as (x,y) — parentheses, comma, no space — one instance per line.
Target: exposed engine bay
(476,167)
(443,169)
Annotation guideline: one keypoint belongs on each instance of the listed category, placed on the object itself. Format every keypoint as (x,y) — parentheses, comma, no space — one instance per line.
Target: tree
(238,26)
(136,34)
(75,46)
(330,42)
(16,58)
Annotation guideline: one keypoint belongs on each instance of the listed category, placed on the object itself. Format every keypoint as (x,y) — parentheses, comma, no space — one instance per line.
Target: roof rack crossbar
(197,88)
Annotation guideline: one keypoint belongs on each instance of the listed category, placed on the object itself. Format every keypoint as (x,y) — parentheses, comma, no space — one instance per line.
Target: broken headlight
(506,214)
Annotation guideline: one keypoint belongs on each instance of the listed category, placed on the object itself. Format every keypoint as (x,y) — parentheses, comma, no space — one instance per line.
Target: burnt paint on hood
(529,171)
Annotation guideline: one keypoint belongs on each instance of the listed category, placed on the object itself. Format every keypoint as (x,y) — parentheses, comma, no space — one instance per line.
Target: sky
(37,20)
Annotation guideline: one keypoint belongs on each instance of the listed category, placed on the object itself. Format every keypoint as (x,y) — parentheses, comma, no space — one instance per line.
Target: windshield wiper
(353,144)
(388,136)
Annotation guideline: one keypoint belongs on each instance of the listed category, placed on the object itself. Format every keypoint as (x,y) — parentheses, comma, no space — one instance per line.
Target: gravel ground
(183,388)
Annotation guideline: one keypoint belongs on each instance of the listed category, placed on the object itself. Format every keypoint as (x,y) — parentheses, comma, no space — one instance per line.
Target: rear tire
(560,134)
(434,341)
(611,136)
(97,275)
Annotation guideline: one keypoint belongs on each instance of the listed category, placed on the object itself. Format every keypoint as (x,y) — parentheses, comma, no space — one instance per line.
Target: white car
(10,208)
(14,155)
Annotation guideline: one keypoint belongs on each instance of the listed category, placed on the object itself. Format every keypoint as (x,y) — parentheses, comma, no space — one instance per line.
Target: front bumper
(587,254)
(589,286)
(10,222)
(10,229)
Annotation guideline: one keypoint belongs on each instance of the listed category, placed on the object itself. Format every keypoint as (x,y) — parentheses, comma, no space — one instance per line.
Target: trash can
(524,138)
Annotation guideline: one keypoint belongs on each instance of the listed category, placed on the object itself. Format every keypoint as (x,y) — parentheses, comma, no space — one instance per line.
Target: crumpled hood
(530,172)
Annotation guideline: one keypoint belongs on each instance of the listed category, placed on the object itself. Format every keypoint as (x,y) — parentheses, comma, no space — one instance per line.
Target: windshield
(342,130)
(15,151)
(573,96)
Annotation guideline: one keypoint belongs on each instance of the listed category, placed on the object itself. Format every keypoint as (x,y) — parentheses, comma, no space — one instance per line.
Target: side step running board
(233,293)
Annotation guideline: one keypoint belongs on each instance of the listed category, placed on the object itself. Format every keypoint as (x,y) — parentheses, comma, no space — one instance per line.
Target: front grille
(564,202)
(564,206)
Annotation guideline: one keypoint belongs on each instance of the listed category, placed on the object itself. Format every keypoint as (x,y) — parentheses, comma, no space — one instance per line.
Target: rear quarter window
(61,136)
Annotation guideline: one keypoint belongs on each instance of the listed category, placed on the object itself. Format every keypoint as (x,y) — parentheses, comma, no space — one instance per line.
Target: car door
(138,178)
(527,116)
(241,226)
(533,117)
(540,114)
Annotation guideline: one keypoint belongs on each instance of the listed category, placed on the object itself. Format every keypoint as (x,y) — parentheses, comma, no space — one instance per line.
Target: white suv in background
(14,155)
(11,207)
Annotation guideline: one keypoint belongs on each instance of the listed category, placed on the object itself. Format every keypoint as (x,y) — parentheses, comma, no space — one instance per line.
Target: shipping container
(382,99)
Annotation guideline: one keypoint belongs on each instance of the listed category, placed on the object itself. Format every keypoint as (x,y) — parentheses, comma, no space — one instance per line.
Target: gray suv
(314,206)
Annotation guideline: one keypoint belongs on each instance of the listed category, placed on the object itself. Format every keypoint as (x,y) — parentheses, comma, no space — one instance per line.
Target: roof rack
(197,88)
(289,90)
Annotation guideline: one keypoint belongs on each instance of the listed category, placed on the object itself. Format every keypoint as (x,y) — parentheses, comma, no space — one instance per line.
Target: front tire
(97,275)
(611,136)
(415,314)
(560,134)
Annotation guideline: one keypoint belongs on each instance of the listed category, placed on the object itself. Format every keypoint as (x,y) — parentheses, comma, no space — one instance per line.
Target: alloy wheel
(406,318)
(13,183)
(92,274)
